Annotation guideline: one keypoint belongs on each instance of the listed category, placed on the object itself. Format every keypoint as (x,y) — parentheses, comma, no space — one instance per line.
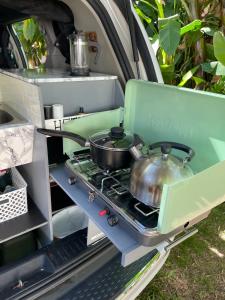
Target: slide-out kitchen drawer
(129,247)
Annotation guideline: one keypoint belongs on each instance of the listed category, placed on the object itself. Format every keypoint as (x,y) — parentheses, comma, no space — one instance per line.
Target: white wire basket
(14,204)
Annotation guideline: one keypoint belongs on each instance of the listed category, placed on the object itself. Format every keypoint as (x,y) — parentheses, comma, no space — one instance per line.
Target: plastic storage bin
(68,221)
(14,204)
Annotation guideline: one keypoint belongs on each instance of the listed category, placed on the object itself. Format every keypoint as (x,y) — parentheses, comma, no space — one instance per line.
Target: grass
(195,270)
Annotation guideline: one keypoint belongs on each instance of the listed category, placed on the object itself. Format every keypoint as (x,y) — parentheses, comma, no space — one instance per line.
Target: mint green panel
(187,200)
(90,124)
(159,112)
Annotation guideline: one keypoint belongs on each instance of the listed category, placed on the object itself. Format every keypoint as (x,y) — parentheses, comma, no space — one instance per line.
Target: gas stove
(111,190)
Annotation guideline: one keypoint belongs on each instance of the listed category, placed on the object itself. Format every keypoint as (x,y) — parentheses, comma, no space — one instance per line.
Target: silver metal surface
(148,232)
(52,75)
(137,207)
(146,235)
(136,153)
(72,180)
(79,53)
(119,190)
(181,239)
(132,243)
(149,175)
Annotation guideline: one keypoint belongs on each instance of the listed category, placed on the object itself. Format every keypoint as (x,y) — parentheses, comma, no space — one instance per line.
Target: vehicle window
(33,42)
(7,57)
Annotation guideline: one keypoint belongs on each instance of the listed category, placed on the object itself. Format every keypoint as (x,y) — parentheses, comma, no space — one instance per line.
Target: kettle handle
(166,148)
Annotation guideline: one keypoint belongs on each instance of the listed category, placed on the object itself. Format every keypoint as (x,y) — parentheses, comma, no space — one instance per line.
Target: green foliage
(33,42)
(187,40)
(214,68)
(193,26)
(188,76)
(169,36)
(218,86)
(219,46)
(159,4)
(29,29)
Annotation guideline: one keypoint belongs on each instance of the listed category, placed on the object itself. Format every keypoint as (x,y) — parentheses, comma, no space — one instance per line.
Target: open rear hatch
(155,112)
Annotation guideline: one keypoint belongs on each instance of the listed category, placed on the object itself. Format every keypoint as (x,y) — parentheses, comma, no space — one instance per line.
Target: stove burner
(113,187)
(119,189)
(144,209)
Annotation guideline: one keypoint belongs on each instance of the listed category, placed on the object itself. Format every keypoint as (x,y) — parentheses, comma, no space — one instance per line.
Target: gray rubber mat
(107,282)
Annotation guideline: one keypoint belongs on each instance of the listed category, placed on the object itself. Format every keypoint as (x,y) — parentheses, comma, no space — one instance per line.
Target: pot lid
(113,139)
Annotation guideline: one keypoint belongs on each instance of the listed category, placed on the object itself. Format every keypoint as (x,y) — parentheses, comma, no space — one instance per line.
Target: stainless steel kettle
(150,174)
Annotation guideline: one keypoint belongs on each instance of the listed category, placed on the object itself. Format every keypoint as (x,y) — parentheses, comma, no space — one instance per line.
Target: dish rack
(57,124)
(14,203)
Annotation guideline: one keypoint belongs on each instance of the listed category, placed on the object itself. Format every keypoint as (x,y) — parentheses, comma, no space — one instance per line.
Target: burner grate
(85,164)
(113,183)
(145,210)
(113,187)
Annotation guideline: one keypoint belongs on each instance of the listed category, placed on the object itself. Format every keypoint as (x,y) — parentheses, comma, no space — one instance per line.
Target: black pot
(110,149)
(111,160)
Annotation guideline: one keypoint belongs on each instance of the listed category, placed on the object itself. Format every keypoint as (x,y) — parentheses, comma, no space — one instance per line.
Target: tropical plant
(187,36)
(33,42)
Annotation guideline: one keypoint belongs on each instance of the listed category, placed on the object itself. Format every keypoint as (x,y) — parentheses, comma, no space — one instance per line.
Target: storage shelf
(33,219)
(131,250)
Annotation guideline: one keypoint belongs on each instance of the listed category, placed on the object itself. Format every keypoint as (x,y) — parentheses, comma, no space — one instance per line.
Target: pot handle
(166,148)
(65,134)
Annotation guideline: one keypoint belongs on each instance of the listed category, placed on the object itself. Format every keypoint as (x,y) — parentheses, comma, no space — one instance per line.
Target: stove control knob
(103,212)
(72,180)
(112,220)
(91,196)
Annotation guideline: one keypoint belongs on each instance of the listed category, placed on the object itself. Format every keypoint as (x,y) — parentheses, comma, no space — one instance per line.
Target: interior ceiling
(12,11)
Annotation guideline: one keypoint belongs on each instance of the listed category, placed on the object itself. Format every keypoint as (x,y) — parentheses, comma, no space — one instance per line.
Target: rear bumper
(109,280)
(132,291)
(68,269)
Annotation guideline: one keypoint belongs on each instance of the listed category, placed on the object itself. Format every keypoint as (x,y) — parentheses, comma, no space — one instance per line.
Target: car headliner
(12,11)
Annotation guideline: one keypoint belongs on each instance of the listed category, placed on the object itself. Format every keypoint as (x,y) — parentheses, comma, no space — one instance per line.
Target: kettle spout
(135,149)
(136,153)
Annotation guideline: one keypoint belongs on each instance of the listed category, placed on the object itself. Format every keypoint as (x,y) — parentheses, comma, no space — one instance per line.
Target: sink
(5,117)
(9,117)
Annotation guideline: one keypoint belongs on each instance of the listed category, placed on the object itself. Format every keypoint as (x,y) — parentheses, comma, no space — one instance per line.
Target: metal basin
(5,117)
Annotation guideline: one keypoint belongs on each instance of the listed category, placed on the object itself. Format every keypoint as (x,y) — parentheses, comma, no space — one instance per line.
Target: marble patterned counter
(16,138)
(16,145)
